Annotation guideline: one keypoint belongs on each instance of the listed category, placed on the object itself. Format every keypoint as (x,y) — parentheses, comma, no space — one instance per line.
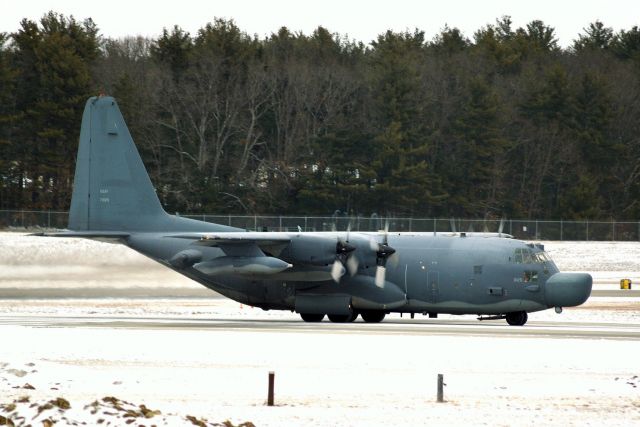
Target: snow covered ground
(335,375)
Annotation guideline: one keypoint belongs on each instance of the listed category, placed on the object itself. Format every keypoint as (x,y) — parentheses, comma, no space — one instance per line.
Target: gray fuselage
(444,273)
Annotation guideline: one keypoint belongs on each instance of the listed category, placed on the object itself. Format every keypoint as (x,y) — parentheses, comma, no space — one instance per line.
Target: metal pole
(613,230)
(270,392)
(587,231)
(440,388)
(561,230)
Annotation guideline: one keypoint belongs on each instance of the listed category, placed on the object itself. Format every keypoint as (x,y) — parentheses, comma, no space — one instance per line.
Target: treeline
(506,123)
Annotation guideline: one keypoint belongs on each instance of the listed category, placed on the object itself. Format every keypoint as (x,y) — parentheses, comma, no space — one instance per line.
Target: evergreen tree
(596,37)
(477,163)
(626,44)
(400,146)
(10,179)
(54,64)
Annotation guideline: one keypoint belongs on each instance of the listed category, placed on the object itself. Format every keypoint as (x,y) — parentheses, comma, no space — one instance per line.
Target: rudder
(111,190)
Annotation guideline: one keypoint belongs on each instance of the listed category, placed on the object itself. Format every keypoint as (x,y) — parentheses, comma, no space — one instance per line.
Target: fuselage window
(530,276)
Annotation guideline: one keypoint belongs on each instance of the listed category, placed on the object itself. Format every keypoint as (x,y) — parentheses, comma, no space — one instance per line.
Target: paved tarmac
(416,327)
(170,292)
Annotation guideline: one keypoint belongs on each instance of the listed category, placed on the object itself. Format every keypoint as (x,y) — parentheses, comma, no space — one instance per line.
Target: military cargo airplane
(341,275)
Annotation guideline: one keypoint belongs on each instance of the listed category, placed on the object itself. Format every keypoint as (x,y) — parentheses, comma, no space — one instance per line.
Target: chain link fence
(520,229)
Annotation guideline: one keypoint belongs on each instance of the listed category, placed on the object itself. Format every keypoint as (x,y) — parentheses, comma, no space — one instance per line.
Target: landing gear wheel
(311,317)
(517,318)
(343,318)
(372,316)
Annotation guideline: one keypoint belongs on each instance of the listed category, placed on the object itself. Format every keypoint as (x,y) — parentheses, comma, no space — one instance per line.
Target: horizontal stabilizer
(85,234)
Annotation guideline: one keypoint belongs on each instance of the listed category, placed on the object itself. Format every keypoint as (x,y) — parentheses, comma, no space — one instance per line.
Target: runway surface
(83,320)
(591,330)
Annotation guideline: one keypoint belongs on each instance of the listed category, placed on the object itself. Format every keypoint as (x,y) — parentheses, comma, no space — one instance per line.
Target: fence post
(49,219)
(613,230)
(587,230)
(270,390)
(561,230)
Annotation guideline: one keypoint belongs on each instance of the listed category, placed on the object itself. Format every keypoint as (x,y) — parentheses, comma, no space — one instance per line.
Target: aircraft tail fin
(112,190)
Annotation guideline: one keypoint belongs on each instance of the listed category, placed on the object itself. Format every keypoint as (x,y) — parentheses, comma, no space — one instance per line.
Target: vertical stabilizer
(112,190)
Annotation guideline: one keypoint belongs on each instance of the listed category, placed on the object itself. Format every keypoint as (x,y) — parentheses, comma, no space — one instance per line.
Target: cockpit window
(527,256)
(541,257)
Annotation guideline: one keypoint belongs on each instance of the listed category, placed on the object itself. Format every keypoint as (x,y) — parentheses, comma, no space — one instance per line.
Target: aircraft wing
(239,243)
(237,238)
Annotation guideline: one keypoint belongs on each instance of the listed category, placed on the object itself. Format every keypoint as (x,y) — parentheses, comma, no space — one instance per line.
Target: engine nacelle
(186,258)
(310,249)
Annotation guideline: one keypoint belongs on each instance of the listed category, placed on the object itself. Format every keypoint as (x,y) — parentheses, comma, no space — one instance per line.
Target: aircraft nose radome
(567,289)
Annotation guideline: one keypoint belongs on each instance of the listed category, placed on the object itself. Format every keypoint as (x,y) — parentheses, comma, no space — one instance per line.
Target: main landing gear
(369,316)
(517,318)
(343,318)
(311,317)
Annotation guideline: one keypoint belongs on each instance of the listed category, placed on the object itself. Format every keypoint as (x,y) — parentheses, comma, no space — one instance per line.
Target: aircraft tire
(373,316)
(312,317)
(517,318)
(343,318)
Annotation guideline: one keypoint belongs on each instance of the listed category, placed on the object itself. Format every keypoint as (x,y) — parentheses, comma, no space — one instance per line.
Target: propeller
(501,227)
(384,252)
(344,258)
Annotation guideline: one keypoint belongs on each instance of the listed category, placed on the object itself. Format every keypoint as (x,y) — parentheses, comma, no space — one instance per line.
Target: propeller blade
(501,227)
(337,271)
(394,259)
(381,272)
(352,265)
(373,245)
(453,225)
